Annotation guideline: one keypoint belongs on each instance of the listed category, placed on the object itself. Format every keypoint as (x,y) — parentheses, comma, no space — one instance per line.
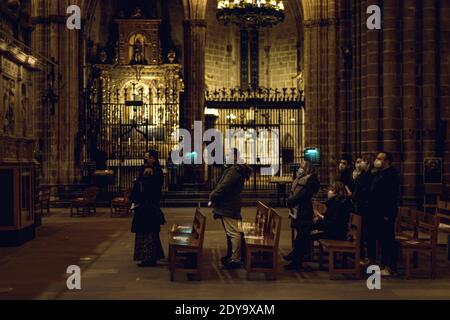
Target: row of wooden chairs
(417,233)
(262,241)
(443,214)
(85,205)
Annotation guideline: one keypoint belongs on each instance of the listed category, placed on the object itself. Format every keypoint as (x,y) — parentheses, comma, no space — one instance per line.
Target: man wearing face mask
(345,172)
(360,199)
(383,208)
(300,202)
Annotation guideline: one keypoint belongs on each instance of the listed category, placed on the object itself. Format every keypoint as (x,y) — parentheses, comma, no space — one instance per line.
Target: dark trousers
(302,244)
(389,250)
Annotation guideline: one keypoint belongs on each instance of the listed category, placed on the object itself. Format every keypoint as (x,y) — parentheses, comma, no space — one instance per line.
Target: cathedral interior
(80,107)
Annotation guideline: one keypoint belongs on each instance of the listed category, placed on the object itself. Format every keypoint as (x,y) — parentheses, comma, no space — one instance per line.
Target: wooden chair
(85,205)
(351,246)
(443,214)
(262,217)
(43,201)
(188,246)
(264,248)
(406,224)
(427,226)
(121,206)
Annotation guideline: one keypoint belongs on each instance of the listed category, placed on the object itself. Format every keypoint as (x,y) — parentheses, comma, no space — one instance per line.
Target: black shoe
(147,264)
(296,266)
(232,265)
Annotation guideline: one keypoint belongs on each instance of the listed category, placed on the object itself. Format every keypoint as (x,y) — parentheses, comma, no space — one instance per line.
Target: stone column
(372,113)
(194,78)
(391,79)
(411,129)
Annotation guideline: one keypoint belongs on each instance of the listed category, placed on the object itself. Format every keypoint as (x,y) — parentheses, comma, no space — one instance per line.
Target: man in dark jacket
(345,172)
(383,205)
(226,201)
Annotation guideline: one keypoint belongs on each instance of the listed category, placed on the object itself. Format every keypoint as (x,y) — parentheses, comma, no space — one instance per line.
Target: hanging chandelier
(251,13)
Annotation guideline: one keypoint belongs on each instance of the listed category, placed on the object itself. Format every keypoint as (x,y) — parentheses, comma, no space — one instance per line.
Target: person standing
(300,202)
(148,217)
(384,208)
(360,199)
(226,202)
(345,172)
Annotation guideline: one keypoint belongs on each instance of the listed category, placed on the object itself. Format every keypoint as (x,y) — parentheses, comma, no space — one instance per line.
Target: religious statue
(8,120)
(138,53)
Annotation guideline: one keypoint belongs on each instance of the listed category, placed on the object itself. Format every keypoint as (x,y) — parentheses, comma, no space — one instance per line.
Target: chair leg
(248,261)
(331,263)
(172,263)
(408,263)
(357,264)
(320,257)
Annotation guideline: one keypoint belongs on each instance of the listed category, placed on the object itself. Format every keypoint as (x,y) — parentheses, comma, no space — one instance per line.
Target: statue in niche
(138,50)
(8,120)
(24,105)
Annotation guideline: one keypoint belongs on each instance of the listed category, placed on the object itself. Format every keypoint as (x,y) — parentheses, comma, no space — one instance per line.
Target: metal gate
(122,125)
(252,112)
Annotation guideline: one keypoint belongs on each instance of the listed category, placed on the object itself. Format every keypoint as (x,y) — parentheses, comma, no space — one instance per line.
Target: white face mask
(331,194)
(378,164)
(300,172)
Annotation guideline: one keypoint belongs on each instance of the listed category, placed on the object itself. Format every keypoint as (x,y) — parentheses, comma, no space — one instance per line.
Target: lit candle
(281,5)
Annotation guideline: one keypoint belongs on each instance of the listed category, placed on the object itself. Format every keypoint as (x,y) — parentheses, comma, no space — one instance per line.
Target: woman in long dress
(148,217)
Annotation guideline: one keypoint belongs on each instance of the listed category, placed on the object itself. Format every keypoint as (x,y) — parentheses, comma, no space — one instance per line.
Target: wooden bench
(443,214)
(84,205)
(427,226)
(43,201)
(351,246)
(121,206)
(261,248)
(186,247)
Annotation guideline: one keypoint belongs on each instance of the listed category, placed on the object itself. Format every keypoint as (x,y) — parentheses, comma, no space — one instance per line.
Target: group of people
(370,189)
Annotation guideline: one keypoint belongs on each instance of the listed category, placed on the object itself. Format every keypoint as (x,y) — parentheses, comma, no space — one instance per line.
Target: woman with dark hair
(360,198)
(300,202)
(148,217)
(333,224)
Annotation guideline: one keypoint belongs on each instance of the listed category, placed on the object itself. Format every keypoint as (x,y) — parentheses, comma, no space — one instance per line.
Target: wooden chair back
(90,194)
(406,224)
(274,228)
(443,212)
(44,194)
(428,225)
(262,216)
(198,228)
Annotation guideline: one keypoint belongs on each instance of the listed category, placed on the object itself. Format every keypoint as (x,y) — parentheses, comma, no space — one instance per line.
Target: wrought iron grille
(122,125)
(253,111)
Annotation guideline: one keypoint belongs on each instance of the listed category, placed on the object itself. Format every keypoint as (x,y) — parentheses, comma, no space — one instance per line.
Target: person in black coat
(334,223)
(300,202)
(148,217)
(383,209)
(345,172)
(362,182)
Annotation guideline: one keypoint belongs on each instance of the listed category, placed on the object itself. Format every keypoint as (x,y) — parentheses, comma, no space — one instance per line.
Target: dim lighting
(251,13)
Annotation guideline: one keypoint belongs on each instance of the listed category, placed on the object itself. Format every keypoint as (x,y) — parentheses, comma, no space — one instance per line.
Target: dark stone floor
(103,248)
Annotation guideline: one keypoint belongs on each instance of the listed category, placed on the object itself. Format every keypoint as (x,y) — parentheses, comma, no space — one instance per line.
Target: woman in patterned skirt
(148,217)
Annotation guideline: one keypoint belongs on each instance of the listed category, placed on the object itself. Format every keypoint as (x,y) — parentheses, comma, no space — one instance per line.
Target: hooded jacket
(226,197)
